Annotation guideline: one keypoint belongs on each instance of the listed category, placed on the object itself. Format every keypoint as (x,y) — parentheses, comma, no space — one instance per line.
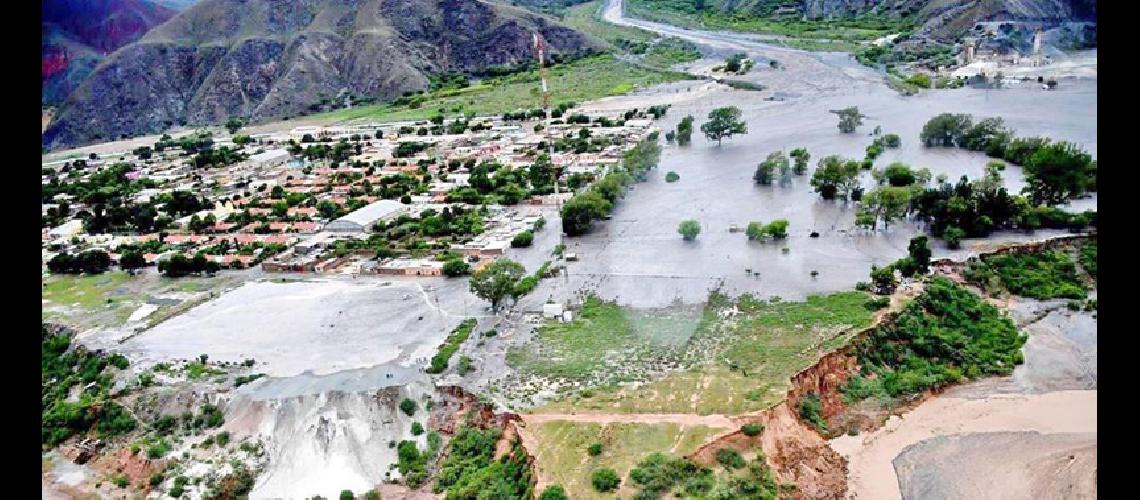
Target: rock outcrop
(76,35)
(264,59)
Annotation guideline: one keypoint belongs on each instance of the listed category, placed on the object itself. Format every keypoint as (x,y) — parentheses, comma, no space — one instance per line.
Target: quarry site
(314,318)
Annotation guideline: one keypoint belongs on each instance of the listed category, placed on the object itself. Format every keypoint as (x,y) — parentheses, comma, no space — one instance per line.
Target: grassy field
(825,33)
(726,365)
(561,455)
(582,80)
(108,299)
(584,17)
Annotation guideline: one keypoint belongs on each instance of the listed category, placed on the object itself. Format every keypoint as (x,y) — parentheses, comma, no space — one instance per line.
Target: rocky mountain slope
(76,35)
(262,59)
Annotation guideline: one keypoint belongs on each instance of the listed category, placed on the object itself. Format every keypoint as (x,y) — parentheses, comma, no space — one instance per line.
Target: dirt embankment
(464,409)
(796,452)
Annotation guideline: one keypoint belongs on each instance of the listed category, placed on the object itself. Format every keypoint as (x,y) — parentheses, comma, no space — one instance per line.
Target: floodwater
(639,259)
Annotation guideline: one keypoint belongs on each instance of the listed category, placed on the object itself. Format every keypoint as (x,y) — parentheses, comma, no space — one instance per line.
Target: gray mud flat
(1060,355)
(309,326)
(1031,465)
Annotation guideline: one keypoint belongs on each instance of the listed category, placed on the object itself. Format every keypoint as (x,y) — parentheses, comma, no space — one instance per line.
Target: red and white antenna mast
(540,47)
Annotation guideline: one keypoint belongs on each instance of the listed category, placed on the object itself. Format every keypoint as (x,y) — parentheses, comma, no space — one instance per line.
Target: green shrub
(953,237)
(752,430)
(347,495)
(605,479)
(522,240)
(372,495)
(408,407)
(417,429)
(1041,275)
(672,177)
(877,303)
(729,458)
(811,411)
(553,492)
(450,345)
(594,449)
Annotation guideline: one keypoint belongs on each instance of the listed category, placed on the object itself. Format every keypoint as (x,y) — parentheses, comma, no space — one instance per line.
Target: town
(393,199)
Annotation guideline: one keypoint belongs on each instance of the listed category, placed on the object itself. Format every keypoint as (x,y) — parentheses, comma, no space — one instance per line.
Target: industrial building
(359,221)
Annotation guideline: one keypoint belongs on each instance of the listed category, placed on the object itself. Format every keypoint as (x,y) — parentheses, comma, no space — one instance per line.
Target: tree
(919,251)
(953,237)
(605,479)
(579,212)
(497,281)
(408,407)
(522,240)
(885,203)
(553,492)
(1057,172)
(594,449)
(755,230)
(801,157)
(777,229)
(849,119)
(899,174)
(456,267)
(672,177)
(131,259)
(724,122)
(373,494)
(417,428)
(946,129)
(347,495)
(835,176)
(884,279)
(685,131)
(766,172)
(689,229)
(233,125)
(541,173)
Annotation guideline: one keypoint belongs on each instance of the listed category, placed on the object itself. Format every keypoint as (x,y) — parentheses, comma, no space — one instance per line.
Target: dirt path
(871,473)
(685,419)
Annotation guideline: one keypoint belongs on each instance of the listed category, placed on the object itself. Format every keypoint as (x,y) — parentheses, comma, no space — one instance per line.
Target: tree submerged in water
(849,119)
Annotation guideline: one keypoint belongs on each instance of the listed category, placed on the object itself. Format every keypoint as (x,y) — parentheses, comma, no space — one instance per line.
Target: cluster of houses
(250,222)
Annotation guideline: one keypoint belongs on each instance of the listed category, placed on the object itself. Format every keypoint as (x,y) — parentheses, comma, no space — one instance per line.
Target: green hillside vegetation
(581,80)
(1043,276)
(944,336)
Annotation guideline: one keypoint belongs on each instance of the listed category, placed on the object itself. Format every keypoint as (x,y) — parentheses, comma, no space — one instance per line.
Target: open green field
(584,17)
(582,80)
(108,299)
(718,362)
(561,455)
(824,34)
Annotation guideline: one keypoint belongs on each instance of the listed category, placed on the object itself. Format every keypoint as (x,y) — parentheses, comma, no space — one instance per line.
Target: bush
(672,177)
(877,303)
(347,495)
(457,267)
(953,237)
(811,411)
(689,229)
(522,240)
(408,407)
(372,495)
(891,141)
(553,492)
(605,480)
(594,449)
(919,79)
(417,429)
(729,458)
(752,430)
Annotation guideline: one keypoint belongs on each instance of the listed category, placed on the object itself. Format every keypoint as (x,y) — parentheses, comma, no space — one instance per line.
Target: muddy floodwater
(639,259)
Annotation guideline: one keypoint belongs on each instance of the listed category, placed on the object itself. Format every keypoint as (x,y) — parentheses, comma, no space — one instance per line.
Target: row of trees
(580,211)
(1055,172)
